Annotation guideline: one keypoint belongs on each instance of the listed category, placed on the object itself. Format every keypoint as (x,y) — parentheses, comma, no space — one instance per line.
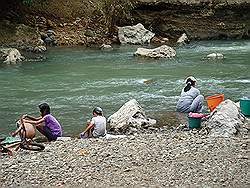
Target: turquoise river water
(75,80)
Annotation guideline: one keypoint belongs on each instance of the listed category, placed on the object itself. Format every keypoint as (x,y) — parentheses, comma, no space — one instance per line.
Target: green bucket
(245,106)
(194,122)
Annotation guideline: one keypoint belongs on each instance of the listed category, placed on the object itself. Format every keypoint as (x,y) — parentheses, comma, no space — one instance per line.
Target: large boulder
(130,114)
(134,35)
(10,55)
(225,120)
(163,51)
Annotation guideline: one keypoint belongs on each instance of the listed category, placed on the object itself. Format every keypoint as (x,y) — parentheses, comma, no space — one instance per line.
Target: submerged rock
(226,120)
(10,55)
(163,51)
(130,114)
(134,35)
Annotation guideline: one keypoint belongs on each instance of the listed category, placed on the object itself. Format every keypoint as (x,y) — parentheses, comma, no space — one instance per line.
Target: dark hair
(189,83)
(98,111)
(44,108)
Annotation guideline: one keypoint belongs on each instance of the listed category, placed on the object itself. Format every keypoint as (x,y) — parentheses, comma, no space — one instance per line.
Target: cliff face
(84,22)
(206,19)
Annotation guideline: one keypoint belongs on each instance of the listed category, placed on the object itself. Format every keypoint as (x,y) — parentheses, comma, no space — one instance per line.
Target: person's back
(53,125)
(29,132)
(96,127)
(190,99)
(186,99)
(99,123)
(51,128)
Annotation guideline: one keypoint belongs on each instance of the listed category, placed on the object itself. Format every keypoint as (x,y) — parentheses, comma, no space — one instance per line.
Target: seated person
(190,100)
(51,128)
(97,126)
(29,132)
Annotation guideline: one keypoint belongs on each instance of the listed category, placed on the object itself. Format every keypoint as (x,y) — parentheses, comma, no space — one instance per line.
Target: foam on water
(243,81)
(230,46)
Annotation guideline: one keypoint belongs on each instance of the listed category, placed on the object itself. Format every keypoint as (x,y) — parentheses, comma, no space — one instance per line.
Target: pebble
(159,159)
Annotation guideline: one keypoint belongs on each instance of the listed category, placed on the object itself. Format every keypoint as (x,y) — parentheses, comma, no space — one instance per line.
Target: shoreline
(162,159)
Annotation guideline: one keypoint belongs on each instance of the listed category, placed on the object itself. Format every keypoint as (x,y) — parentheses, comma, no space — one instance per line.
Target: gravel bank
(161,159)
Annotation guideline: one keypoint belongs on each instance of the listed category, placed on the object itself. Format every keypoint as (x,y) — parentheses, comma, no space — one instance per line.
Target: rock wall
(80,22)
(206,19)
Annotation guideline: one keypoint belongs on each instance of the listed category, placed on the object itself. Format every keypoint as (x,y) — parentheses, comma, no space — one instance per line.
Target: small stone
(242,157)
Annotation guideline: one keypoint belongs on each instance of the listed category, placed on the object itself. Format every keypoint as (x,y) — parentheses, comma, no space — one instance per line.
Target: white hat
(190,78)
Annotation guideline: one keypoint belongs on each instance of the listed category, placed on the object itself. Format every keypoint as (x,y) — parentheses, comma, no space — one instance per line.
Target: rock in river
(163,51)
(183,39)
(215,56)
(10,55)
(135,35)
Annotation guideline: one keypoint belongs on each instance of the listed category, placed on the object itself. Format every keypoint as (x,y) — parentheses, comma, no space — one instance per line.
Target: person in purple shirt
(51,128)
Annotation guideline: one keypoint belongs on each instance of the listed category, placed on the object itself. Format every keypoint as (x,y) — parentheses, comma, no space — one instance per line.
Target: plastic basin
(194,122)
(214,100)
(245,106)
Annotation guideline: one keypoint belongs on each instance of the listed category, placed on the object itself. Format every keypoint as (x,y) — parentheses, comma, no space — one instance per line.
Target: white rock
(11,55)
(225,120)
(106,47)
(63,138)
(130,114)
(111,136)
(134,35)
(183,39)
(163,51)
(215,56)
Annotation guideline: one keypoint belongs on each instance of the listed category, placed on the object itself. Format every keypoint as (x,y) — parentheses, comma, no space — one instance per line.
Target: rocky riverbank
(216,154)
(200,20)
(164,158)
(94,23)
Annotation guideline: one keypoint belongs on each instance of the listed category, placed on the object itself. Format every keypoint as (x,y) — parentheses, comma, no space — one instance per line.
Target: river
(75,80)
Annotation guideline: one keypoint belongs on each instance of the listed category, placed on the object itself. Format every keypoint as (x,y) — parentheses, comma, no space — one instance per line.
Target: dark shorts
(49,134)
(46,132)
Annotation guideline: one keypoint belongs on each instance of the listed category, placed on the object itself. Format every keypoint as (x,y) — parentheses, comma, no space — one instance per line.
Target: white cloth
(190,101)
(99,123)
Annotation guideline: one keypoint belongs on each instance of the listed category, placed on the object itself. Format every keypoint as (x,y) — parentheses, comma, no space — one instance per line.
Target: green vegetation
(27,2)
(111,11)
